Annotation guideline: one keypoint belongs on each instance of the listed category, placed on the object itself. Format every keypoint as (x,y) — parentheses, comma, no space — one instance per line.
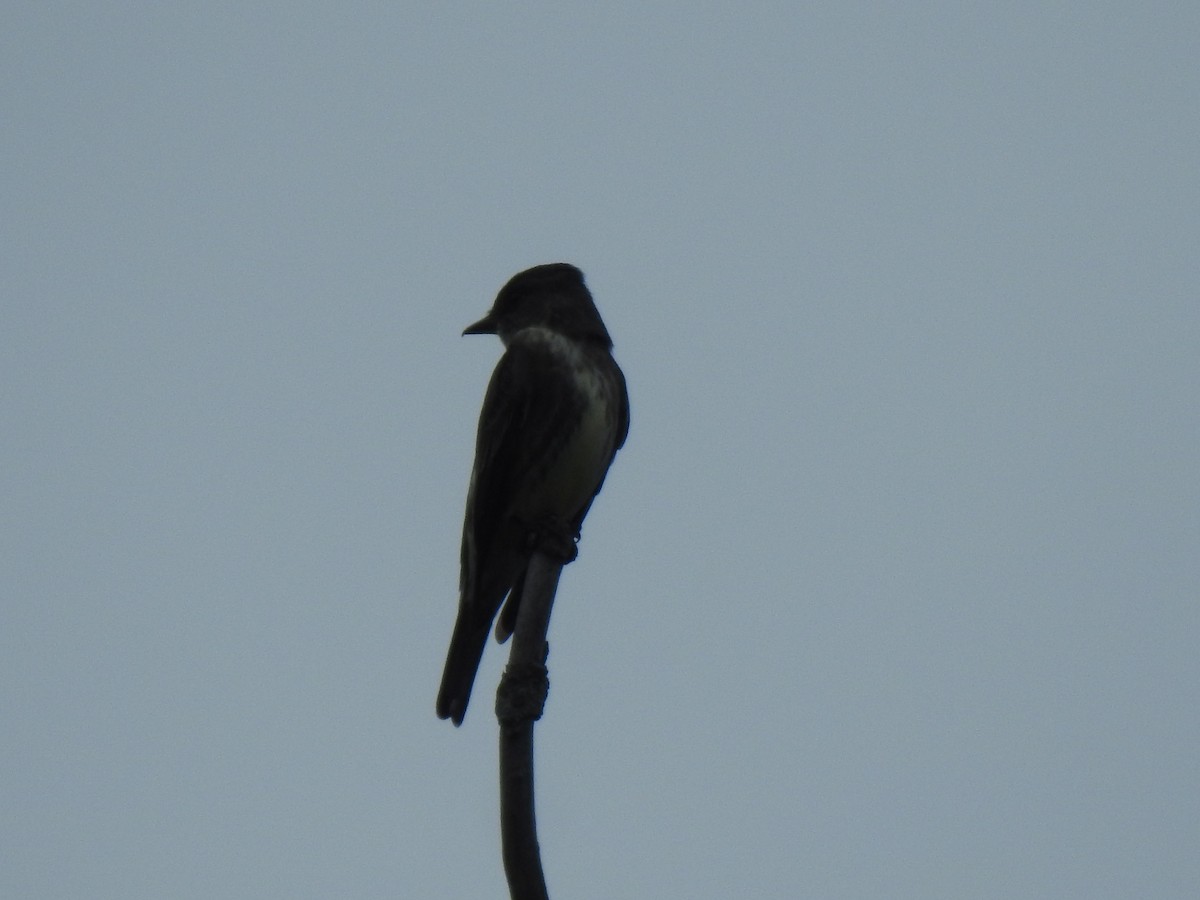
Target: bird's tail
(462,662)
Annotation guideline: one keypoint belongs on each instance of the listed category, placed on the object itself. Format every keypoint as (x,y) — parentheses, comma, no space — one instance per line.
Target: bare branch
(519,703)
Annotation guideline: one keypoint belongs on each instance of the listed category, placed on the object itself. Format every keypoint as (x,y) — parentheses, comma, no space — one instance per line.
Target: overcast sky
(894,591)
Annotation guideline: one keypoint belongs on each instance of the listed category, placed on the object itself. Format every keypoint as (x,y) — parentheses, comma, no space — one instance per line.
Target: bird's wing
(526,415)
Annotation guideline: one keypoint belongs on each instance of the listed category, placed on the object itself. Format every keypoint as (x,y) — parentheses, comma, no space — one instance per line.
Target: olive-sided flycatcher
(555,414)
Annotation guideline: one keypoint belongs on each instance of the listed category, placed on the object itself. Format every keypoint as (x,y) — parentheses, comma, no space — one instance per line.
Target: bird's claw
(556,539)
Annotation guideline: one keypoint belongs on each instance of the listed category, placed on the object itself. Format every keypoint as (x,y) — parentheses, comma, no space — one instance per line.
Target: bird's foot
(555,538)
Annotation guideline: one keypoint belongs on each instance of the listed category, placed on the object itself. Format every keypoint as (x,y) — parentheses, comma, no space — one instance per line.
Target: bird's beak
(484,326)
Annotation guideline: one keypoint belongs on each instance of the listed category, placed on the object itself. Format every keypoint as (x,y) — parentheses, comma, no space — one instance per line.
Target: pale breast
(571,479)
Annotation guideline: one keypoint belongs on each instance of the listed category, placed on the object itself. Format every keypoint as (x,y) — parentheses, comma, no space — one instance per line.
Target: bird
(555,413)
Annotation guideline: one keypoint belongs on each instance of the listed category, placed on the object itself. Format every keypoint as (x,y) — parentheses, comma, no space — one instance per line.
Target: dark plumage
(555,413)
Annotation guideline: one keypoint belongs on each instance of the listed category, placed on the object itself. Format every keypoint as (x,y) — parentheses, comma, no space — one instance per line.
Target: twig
(519,703)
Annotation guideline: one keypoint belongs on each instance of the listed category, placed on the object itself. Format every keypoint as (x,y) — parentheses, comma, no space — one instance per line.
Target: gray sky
(893,591)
